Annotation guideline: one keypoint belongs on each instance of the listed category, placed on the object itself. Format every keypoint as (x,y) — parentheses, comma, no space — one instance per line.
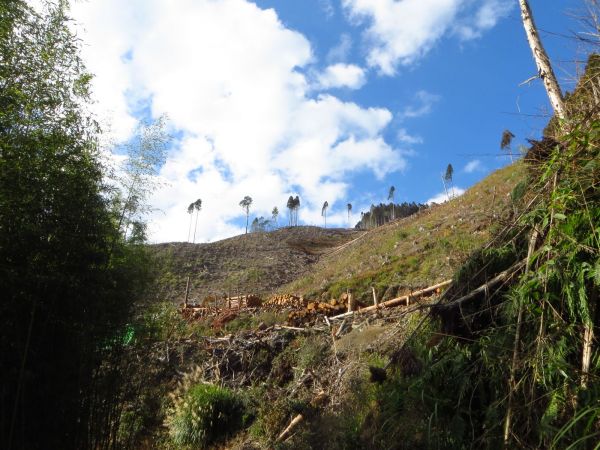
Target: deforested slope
(250,263)
(419,250)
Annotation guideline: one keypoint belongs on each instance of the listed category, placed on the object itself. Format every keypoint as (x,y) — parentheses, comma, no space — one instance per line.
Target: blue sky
(333,100)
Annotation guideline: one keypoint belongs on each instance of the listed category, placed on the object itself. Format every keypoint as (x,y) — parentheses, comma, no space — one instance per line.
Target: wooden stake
(375,301)
(187,291)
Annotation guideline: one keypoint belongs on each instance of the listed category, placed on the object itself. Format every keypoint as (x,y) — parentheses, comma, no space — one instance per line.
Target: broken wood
(315,402)
(375,301)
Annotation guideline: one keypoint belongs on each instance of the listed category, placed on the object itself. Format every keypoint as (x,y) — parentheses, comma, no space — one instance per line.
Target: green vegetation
(204,414)
(69,274)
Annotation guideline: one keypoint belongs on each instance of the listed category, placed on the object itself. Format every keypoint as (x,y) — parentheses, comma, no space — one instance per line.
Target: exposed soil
(251,263)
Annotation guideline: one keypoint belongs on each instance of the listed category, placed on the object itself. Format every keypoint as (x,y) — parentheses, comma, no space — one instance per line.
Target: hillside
(419,250)
(250,263)
(408,253)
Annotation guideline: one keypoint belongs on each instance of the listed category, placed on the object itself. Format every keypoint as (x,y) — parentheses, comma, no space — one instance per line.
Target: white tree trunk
(542,61)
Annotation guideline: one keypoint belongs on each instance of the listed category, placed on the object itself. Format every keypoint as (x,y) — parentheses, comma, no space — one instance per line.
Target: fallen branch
(502,276)
(395,301)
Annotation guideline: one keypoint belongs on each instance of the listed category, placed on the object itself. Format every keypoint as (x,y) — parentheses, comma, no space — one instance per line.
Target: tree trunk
(247,215)
(195,227)
(542,61)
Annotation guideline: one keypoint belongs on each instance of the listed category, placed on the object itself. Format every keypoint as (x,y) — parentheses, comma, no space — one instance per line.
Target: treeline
(383,213)
(71,259)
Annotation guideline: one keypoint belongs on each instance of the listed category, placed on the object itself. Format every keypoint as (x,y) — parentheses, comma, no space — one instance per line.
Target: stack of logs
(286,301)
(309,315)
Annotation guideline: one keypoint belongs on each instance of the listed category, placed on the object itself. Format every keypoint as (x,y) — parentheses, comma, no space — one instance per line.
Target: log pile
(310,314)
(286,301)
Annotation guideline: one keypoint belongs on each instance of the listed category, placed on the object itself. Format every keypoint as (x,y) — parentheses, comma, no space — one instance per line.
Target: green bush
(205,413)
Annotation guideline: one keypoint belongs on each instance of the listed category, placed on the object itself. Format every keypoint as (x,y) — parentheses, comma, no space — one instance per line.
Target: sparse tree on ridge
(447,179)
(391,197)
(275,214)
(296,209)
(190,211)
(505,142)
(245,204)
(197,206)
(349,208)
(290,207)
(324,212)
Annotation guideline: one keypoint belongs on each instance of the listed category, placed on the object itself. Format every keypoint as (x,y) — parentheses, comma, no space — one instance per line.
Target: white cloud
(485,18)
(342,75)
(424,102)
(401,32)
(404,137)
(474,166)
(341,51)
(226,74)
(442,197)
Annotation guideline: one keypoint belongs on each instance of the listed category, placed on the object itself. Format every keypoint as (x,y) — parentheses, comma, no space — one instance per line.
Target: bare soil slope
(251,263)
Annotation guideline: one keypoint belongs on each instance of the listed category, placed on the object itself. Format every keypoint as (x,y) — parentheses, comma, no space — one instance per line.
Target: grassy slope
(419,250)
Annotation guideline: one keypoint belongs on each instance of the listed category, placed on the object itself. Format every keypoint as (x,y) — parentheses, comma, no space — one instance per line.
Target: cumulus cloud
(342,75)
(401,32)
(246,120)
(474,166)
(484,19)
(442,197)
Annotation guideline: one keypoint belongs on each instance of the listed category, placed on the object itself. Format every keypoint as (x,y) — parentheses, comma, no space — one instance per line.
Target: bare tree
(324,212)
(542,61)
(245,204)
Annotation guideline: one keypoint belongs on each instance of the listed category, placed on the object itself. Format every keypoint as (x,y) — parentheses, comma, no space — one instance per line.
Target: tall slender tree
(290,207)
(447,180)
(197,206)
(324,212)
(245,204)
(349,208)
(275,215)
(296,207)
(190,211)
(391,197)
(542,61)
(505,142)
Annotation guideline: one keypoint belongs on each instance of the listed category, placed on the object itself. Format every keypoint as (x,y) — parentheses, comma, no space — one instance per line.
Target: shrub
(205,413)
